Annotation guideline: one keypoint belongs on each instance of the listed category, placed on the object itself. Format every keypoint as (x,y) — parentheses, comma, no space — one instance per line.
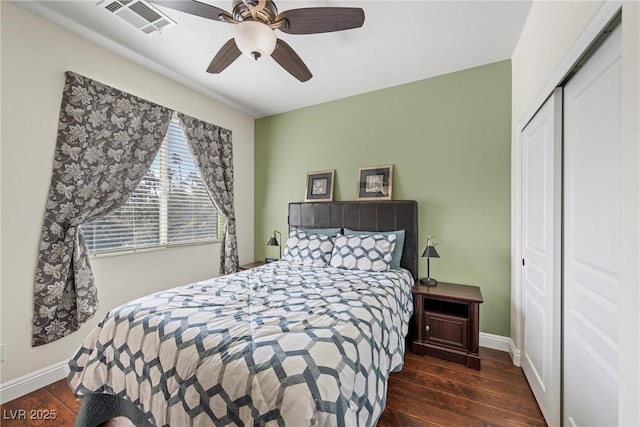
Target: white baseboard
(32,382)
(498,342)
(514,353)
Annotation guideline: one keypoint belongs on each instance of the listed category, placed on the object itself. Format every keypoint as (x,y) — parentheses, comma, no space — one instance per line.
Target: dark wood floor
(434,392)
(427,392)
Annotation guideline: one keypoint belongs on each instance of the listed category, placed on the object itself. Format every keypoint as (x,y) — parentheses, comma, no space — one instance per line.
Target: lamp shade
(430,252)
(273,241)
(255,39)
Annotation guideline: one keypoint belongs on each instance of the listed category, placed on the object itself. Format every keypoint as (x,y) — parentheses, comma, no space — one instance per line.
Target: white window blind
(170,206)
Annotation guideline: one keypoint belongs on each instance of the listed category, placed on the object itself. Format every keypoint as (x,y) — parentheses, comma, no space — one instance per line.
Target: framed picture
(320,186)
(375,183)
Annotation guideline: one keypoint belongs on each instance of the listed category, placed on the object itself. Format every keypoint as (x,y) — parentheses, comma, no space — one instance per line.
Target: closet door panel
(541,233)
(591,238)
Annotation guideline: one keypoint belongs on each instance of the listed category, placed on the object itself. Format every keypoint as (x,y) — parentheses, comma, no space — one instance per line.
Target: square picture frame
(375,183)
(319,186)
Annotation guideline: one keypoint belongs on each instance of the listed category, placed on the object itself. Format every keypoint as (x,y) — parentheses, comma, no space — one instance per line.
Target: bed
(281,344)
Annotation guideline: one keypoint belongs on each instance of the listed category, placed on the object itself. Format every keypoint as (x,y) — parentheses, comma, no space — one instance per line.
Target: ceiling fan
(258,19)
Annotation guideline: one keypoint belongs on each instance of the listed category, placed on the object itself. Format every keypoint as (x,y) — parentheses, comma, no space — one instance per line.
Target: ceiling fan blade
(196,8)
(228,53)
(288,59)
(314,20)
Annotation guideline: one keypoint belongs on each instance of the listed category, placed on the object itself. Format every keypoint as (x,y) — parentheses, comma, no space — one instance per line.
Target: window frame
(163,210)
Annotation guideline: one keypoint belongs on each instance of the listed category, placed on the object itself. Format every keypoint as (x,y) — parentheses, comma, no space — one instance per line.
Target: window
(170,206)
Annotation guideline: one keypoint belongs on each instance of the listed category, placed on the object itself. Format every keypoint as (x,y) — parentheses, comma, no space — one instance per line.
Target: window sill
(116,253)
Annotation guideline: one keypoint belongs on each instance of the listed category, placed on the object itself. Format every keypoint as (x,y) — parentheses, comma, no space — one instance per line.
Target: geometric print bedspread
(277,345)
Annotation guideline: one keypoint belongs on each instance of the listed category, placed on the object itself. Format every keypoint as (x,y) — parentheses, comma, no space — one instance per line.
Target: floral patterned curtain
(107,140)
(211,148)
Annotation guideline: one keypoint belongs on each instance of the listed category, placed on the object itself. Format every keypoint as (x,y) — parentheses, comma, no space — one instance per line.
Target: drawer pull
(426,328)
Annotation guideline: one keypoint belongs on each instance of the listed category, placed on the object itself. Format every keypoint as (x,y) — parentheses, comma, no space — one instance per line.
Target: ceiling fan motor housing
(266,14)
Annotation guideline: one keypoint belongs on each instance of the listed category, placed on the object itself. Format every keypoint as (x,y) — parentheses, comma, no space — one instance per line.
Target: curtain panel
(212,152)
(107,140)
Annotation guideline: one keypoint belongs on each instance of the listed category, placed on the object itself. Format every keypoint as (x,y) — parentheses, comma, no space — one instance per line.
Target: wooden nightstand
(448,322)
(251,265)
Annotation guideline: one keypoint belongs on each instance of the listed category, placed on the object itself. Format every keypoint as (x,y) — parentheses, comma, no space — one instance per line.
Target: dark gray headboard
(371,216)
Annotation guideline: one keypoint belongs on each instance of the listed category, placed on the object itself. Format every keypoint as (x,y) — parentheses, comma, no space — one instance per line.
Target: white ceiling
(400,42)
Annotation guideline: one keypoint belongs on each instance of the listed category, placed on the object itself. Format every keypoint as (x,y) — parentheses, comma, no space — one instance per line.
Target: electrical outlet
(1,352)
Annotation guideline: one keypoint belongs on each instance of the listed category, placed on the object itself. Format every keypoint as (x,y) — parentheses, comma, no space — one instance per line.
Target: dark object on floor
(99,408)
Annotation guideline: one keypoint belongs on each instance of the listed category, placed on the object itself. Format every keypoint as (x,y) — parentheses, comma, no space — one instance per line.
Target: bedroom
(32,73)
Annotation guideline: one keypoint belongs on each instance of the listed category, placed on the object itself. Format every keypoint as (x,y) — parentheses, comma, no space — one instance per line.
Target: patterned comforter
(275,345)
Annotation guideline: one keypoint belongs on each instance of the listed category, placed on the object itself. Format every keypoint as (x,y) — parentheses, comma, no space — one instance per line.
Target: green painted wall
(448,138)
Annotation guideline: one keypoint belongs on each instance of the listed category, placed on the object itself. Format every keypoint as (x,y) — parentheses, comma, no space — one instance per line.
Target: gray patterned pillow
(370,252)
(313,250)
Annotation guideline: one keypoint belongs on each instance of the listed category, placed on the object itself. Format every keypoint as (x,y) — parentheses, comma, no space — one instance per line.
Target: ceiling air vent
(139,13)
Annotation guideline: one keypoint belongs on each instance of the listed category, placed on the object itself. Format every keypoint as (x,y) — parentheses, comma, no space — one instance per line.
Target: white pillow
(313,250)
(370,252)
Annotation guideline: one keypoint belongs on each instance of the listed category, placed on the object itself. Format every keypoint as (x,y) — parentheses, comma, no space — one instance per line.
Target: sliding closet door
(541,233)
(591,238)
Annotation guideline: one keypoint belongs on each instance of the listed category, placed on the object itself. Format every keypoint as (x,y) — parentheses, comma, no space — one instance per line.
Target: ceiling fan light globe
(255,39)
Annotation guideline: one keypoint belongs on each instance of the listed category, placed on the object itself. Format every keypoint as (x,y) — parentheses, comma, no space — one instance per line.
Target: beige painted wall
(629,365)
(35,55)
(551,31)
(1,204)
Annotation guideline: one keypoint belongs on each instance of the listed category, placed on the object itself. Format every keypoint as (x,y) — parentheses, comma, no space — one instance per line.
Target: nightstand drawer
(450,331)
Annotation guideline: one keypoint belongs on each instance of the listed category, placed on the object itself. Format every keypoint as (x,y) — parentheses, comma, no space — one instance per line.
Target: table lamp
(429,252)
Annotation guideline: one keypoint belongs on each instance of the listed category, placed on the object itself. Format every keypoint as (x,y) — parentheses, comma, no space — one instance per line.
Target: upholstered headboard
(371,216)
